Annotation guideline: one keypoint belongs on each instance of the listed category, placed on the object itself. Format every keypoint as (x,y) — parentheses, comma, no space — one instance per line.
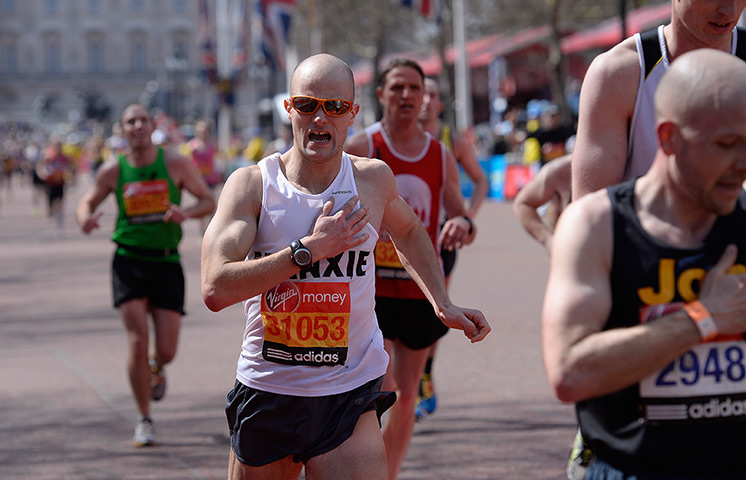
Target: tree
(355,30)
(555,59)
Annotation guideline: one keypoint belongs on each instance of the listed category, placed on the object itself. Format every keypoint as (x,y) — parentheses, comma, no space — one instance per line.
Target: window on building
(51,6)
(95,6)
(52,57)
(137,6)
(8,7)
(95,57)
(9,61)
(139,57)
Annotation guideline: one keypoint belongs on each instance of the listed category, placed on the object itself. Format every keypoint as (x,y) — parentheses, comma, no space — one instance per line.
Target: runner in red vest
(427,179)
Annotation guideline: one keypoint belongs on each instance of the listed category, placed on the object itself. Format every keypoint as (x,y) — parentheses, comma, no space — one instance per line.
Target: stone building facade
(57,57)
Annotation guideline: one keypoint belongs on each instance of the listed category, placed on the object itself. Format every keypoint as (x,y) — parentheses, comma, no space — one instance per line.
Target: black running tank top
(690,417)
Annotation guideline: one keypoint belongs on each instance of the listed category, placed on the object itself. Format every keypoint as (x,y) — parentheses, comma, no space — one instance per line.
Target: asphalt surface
(66,411)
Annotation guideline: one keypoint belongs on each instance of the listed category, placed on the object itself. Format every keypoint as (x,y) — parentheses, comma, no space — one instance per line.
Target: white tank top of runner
(642,136)
(316,333)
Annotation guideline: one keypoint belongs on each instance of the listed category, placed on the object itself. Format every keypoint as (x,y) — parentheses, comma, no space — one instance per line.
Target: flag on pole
(431,9)
(206,43)
(241,45)
(276,16)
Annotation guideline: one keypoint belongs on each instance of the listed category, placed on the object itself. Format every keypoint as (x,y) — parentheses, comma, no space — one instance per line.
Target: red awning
(509,44)
(430,63)
(480,53)
(607,34)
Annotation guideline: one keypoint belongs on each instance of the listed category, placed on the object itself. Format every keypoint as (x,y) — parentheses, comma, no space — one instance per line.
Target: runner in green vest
(146,272)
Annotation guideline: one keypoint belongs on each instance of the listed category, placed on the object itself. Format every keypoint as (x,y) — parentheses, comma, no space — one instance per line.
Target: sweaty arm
(105,183)
(227,278)
(457,230)
(552,180)
(607,100)
(185,174)
(418,256)
(467,158)
(581,359)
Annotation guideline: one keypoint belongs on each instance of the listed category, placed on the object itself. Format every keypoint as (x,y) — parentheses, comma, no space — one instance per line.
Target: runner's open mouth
(319,137)
(721,25)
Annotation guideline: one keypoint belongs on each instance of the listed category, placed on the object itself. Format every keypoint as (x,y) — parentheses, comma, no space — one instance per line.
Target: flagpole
(222,20)
(462,78)
(316,21)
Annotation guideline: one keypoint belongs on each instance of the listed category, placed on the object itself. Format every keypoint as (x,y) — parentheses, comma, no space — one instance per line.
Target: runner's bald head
(324,68)
(700,82)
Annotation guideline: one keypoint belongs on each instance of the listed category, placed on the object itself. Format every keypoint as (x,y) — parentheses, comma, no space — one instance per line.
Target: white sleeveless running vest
(316,333)
(642,136)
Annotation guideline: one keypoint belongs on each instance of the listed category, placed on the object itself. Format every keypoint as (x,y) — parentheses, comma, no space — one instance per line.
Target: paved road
(65,406)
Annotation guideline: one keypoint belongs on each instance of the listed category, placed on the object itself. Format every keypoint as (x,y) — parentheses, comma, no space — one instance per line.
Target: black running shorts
(266,427)
(36,180)
(55,192)
(449,260)
(413,322)
(162,283)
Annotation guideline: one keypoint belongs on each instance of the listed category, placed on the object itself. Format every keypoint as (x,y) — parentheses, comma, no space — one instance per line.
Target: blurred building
(62,60)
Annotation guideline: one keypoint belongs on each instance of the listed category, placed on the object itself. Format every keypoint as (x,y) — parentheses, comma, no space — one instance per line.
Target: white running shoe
(144,433)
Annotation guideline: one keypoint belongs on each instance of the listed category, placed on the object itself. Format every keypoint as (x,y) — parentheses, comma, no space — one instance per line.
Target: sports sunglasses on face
(334,107)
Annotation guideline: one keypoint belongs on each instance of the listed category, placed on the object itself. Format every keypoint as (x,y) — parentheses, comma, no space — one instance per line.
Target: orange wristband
(702,319)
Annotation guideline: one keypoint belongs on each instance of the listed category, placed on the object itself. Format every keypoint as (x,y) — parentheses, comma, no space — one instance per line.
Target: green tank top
(143,195)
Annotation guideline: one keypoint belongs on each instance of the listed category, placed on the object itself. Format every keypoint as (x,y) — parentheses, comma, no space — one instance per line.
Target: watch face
(302,257)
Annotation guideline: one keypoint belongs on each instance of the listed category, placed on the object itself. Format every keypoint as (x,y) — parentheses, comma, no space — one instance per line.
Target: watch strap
(295,246)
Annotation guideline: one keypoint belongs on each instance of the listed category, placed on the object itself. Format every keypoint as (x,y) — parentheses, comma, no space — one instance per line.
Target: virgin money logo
(133,189)
(285,297)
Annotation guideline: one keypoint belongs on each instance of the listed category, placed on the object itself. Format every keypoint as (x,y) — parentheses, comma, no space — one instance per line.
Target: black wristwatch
(300,255)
